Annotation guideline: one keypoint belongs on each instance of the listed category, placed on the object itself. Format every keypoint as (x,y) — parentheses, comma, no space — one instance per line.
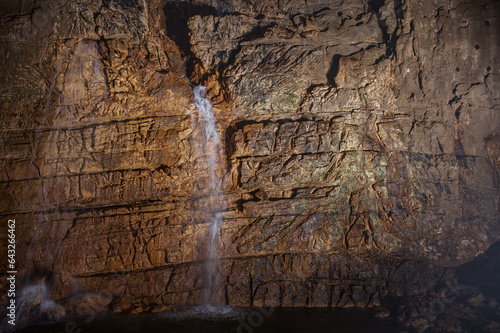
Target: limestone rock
(360,152)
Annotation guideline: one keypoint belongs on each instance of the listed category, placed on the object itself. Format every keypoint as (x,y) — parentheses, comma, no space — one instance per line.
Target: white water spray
(34,301)
(211,147)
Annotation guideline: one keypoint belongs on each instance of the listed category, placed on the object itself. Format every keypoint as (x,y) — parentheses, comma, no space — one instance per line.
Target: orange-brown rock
(360,146)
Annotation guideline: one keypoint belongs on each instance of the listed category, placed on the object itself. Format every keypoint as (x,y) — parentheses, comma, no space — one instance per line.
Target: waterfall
(77,88)
(210,144)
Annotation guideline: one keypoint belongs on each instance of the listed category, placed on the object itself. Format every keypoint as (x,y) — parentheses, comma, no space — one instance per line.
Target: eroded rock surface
(360,147)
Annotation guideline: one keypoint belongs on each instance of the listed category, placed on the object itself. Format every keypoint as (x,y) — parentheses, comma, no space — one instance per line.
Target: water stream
(80,70)
(210,143)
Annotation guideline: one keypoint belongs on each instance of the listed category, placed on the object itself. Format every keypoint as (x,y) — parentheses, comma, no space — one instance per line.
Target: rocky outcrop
(360,146)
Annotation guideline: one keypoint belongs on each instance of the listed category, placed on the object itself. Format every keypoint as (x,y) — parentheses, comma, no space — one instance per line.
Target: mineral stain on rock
(359,153)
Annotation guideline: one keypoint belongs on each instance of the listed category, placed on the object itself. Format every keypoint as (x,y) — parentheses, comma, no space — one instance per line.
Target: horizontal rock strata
(360,147)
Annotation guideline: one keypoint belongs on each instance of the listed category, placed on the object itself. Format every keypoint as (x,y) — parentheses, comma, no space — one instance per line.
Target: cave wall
(360,146)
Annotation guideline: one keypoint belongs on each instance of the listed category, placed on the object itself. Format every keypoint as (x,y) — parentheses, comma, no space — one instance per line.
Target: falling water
(80,77)
(211,147)
(34,300)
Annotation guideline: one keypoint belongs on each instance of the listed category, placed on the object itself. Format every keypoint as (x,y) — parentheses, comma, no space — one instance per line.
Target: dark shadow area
(334,70)
(178,15)
(483,272)
(375,5)
(257,32)
(241,202)
(390,38)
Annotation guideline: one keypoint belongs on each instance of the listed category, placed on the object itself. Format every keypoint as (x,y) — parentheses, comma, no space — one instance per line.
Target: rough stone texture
(360,147)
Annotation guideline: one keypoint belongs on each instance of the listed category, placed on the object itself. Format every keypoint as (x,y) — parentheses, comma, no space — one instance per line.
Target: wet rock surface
(360,151)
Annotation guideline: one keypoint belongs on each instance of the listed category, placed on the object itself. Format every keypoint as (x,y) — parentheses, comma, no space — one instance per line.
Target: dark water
(230,319)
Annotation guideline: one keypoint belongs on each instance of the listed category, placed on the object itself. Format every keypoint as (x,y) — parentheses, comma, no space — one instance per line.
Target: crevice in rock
(375,5)
(458,111)
(455,97)
(177,16)
(393,38)
(389,39)
(292,196)
(420,84)
(334,70)
(241,202)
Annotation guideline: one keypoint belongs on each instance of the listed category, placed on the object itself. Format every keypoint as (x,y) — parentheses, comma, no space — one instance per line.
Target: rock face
(360,146)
